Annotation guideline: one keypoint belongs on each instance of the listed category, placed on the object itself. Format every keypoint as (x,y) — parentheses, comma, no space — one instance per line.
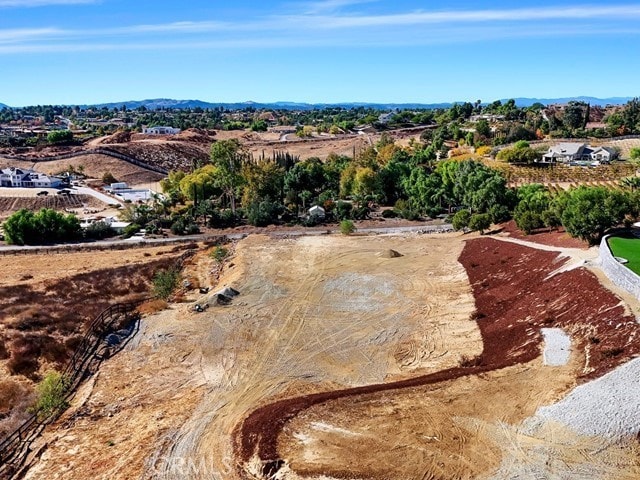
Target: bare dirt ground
(94,166)
(45,302)
(314,314)
(339,361)
(518,291)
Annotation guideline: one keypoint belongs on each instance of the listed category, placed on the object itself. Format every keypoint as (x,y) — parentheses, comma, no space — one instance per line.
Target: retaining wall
(618,273)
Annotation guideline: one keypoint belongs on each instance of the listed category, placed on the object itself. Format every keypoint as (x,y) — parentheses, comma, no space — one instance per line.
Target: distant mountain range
(2,105)
(155,104)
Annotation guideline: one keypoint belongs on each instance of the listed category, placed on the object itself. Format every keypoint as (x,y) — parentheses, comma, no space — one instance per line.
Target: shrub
(528,221)
(152,306)
(347,227)
(480,222)
(99,230)
(389,214)
(461,219)
(405,209)
(60,136)
(343,210)
(483,151)
(130,230)
(51,395)
(219,254)
(165,282)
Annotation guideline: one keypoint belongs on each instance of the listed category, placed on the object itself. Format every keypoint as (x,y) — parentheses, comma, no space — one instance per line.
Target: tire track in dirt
(515,296)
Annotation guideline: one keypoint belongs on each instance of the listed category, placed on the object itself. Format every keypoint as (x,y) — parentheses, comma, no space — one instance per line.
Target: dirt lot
(94,166)
(313,314)
(517,293)
(340,360)
(45,303)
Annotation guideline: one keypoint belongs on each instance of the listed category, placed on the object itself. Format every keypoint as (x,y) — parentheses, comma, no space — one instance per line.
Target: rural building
(317,212)
(161,131)
(115,224)
(385,118)
(487,117)
(574,152)
(24,178)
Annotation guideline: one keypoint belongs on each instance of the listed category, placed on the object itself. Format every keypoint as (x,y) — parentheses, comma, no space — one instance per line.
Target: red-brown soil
(555,238)
(516,294)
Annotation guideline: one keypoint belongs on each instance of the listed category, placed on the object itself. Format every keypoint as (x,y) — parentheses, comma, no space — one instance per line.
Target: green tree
(60,136)
(261,213)
(228,156)
(590,211)
(573,117)
(46,226)
(262,180)
(483,128)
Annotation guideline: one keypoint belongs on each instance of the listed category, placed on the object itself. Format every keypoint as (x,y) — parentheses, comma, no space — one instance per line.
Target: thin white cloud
(432,37)
(41,3)
(356,30)
(27,34)
(469,16)
(324,6)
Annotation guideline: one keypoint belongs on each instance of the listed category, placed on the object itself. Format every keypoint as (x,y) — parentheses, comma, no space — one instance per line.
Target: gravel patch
(607,407)
(557,347)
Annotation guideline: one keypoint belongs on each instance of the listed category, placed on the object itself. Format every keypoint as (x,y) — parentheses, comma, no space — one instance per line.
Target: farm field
(341,359)
(627,247)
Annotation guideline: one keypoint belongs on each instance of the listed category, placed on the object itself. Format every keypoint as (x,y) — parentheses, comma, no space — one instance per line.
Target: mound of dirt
(390,254)
(196,135)
(118,137)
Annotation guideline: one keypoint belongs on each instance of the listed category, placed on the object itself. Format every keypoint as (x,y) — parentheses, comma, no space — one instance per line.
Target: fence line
(88,247)
(94,151)
(15,448)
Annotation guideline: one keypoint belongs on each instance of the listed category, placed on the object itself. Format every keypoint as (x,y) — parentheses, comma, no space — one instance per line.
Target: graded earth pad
(461,422)
(335,362)
(314,314)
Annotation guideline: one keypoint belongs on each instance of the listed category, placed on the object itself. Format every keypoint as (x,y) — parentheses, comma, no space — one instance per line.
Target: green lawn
(629,248)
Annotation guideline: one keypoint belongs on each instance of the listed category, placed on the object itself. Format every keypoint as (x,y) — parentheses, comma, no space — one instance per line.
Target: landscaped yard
(627,247)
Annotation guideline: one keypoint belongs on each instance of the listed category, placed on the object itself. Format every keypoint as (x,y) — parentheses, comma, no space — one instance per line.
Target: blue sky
(90,51)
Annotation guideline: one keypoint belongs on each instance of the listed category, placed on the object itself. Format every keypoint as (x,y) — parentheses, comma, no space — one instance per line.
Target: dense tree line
(26,227)
(585,212)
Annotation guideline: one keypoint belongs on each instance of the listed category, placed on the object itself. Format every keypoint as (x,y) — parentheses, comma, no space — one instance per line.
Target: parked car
(43,193)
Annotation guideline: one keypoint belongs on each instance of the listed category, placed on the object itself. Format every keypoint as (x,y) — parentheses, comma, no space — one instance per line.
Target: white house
(25,178)
(114,223)
(161,131)
(385,118)
(573,152)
